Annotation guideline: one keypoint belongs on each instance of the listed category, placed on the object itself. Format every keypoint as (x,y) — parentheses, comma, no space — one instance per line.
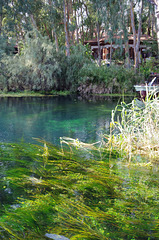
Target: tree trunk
(133,27)
(56,42)
(149,24)
(153,24)
(66,31)
(54,35)
(53,32)
(125,33)
(33,21)
(157,22)
(77,35)
(82,28)
(72,33)
(111,52)
(47,31)
(138,35)
(1,23)
(99,48)
(127,57)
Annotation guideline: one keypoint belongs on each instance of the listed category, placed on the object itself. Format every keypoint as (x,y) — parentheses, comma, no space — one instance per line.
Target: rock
(90,88)
(55,236)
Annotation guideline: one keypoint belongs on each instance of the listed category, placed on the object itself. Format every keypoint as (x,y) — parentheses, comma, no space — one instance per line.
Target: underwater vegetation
(80,191)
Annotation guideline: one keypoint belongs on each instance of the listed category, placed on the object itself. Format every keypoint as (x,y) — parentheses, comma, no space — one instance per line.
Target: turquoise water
(50,118)
(122,197)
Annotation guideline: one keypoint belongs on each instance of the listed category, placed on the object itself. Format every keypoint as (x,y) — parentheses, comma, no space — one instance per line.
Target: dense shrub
(37,68)
(80,56)
(6,46)
(6,49)
(40,68)
(116,79)
(151,65)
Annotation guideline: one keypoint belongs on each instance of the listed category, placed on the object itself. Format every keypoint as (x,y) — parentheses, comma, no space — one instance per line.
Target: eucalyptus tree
(62,14)
(119,16)
(124,27)
(141,7)
(76,5)
(53,20)
(114,17)
(156,3)
(16,16)
(136,32)
(97,6)
(155,9)
(7,18)
(65,14)
(2,4)
(31,11)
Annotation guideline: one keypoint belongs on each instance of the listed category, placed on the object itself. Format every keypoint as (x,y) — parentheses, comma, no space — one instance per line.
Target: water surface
(50,118)
(126,194)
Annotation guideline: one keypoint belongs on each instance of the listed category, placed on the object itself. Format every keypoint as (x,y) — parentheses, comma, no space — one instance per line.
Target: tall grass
(135,129)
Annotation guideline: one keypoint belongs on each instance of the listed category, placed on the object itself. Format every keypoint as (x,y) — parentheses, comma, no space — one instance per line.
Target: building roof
(105,39)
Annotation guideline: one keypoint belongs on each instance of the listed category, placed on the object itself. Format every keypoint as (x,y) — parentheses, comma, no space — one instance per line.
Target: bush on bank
(36,68)
(151,65)
(113,79)
(39,67)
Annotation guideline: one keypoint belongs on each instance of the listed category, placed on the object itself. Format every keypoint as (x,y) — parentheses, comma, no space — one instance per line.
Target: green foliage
(118,56)
(6,49)
(80,55)
(116,79)
(40,68)
(151,66)
(37,68)
(6,46)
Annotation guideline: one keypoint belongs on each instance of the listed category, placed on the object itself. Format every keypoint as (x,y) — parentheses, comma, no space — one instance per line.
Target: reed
(134,129)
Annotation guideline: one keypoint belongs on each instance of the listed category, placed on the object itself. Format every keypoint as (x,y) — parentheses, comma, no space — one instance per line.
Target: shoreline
(60,93)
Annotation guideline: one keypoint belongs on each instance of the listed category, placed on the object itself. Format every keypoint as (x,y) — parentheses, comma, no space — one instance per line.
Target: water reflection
(53,117)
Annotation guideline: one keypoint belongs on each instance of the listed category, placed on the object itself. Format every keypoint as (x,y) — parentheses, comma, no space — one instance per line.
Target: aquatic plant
(76,193)
(135,130)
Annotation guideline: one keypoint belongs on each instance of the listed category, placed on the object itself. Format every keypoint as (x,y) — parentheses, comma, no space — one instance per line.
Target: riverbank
(63,93)
(34,94)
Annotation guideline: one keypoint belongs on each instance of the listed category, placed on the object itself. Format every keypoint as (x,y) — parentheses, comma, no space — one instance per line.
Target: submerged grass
(65,192)
(84,191)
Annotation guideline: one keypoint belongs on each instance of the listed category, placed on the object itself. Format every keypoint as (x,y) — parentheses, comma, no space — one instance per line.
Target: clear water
(50,118)
(134,201)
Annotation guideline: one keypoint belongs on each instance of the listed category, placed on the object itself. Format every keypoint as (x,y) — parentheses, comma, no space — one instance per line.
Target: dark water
(50,118)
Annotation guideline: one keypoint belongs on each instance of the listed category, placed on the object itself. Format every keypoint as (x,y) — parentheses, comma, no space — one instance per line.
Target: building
(108,47)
